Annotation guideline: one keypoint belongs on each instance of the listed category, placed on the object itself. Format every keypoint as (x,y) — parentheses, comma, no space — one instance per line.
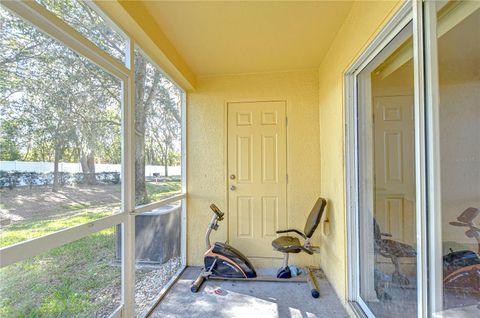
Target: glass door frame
(432,89)
(408,12)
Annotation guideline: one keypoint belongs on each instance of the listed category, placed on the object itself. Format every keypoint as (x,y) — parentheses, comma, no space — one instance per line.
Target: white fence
(45,167)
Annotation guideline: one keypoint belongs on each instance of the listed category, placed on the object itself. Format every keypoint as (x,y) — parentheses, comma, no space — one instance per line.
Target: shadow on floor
(248,299)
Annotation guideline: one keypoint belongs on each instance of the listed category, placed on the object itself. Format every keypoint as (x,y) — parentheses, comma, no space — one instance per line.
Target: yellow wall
(206,147)
(365,19)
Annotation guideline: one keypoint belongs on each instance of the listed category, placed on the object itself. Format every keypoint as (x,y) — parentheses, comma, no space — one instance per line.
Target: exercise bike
(224,262)
(461,269)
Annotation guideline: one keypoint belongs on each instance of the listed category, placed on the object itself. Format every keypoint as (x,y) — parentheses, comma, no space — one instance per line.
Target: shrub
(13,179)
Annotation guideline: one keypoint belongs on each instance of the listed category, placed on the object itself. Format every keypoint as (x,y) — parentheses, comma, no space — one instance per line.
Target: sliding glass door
(386,174)
(413,165)
(453,138)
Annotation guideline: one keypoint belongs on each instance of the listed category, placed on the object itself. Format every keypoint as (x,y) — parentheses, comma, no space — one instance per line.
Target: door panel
(270,216)
(394,170)
(244,159)
(269,159)
(244,216)
(394,217)
(257,175)
(393,157)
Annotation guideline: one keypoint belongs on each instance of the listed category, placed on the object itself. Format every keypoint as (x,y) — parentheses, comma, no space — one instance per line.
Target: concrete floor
(248,299)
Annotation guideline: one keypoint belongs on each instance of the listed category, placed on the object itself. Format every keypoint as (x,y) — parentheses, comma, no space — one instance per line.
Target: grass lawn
(75,280)
(80,279)
(159,190)
(18,232)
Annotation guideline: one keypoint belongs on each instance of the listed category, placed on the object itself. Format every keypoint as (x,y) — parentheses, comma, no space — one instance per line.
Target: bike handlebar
(217,211)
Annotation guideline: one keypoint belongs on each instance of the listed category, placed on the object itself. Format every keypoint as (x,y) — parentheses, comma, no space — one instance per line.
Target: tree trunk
(165,162)
(140,188)
(83,163)
(87,162)
(91,168)
(142,107)
(56,161)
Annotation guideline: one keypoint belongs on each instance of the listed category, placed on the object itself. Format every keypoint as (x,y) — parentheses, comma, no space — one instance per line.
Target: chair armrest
(307,250)
(292,230)
(386,234)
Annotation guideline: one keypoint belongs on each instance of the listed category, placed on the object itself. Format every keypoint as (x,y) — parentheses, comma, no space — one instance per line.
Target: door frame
(225,153)
(410,11)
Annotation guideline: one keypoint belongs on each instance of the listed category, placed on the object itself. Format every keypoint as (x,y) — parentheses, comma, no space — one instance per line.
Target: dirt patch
(41,202)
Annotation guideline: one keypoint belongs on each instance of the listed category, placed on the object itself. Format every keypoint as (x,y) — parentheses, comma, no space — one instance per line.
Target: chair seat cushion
(287,244)
(396,248)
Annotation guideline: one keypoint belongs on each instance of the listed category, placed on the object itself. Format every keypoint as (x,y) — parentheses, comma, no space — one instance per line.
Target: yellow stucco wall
(364,20)
(206,148)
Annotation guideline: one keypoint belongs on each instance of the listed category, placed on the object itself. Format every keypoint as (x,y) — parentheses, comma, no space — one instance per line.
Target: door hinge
(286,121)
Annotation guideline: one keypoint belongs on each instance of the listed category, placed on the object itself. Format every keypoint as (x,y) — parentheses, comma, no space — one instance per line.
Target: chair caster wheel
(315,293)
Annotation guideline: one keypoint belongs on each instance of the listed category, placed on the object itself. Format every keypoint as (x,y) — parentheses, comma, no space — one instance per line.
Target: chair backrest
(468,215)
(314,217)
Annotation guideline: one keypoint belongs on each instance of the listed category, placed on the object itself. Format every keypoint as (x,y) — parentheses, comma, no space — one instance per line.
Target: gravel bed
(149,281)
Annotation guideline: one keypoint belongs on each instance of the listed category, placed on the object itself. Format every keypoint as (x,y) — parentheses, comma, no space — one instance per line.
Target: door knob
(233,188)
(232,176)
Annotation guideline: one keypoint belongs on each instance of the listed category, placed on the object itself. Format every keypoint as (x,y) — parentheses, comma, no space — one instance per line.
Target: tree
(58,106)
(60,100)
(164,130)
(157,120)
(8,148)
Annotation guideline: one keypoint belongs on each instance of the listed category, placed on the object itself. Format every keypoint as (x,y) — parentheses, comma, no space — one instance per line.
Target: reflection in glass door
(457,119)
(386,181)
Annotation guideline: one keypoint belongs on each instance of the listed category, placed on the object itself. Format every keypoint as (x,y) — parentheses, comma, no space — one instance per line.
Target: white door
(256,175)
(394,166)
